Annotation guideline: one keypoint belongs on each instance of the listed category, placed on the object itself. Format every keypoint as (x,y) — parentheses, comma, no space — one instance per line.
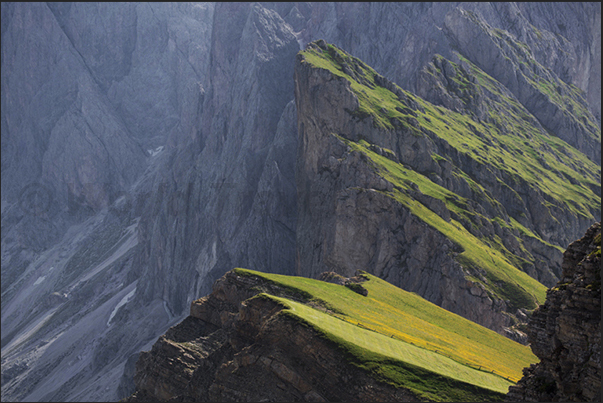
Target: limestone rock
(170,144)
(346,219)
(236,348)
(565,332)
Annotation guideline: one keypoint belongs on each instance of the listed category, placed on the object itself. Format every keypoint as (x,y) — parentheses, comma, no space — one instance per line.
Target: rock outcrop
(351,209)
(149,148)
(565,332)
(234,347)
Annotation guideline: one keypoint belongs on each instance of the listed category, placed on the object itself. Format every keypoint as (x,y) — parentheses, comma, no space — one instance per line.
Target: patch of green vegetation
(568,182)
(569,99)
(437,157)
(380,356)
(504,280)
(458,83)
(527,232)
(282,289)
(509,140)
(406,341)
(375,101)
(480,193)
(496,243)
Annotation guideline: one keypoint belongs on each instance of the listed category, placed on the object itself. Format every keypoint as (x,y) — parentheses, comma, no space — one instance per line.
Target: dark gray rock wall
(90,92)
(234,181)
(52,110)
(565,332)
(578,22)
(165,138)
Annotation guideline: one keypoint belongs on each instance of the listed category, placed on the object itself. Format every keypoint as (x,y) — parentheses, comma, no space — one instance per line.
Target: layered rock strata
(186,133)
(234,347)
(350,218)
(565,332)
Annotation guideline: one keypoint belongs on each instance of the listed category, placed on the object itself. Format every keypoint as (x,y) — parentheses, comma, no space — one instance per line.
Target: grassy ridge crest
(508,140)
(404,340)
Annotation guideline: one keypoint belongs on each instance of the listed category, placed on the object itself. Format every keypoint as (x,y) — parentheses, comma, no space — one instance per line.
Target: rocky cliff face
(565,332)
(147,149)
(236,348)
(93,95)
(351,215)
(233,180)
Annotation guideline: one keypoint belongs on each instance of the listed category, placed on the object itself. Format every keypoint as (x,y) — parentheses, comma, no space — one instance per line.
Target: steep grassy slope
(512,143)
(405,340)
(503,279)
(510,139)
(560,107)
(504,170)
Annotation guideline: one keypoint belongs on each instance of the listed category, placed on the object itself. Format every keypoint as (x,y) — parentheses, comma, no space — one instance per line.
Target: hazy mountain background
(148,148)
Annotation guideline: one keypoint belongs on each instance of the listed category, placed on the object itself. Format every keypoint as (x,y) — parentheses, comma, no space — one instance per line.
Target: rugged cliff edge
(455,203)
(565,332)
(269,337)
(149,148)
(236,348)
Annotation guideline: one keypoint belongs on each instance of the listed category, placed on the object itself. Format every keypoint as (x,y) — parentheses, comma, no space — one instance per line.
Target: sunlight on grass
(545,162)
(505,280)
(404,316)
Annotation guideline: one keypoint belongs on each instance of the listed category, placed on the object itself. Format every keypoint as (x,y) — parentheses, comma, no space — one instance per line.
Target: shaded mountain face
(149,148)
(91,95)
(565,332)
(430,199)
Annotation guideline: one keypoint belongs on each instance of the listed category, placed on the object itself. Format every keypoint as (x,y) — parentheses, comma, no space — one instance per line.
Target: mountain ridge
(77,240)
(370,151)
(275,342)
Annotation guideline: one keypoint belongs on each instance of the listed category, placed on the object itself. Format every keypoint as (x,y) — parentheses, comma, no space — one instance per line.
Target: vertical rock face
(357,130)
(90,94)
(565,332)
(234,179)
(582,64)
(148,148)
(58,127)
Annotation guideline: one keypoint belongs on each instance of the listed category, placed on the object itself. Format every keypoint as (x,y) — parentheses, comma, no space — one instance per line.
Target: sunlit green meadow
(406,334)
